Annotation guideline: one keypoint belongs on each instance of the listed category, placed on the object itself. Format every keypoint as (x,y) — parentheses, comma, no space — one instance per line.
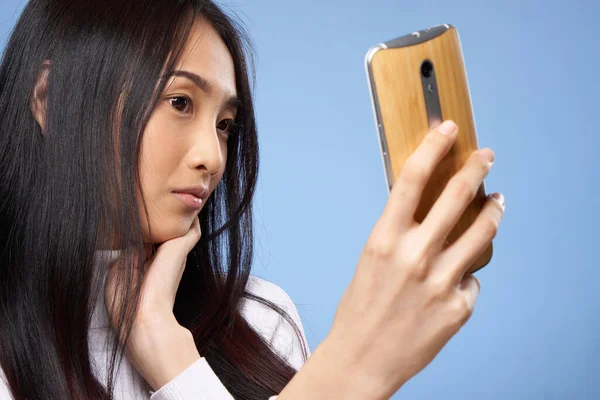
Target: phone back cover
(394,70)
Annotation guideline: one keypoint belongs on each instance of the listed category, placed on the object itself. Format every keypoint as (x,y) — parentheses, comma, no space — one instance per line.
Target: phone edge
(418,37)
(462,57)
(377,114)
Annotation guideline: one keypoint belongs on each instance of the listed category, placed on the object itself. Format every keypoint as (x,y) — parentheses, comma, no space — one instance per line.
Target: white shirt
(198,381)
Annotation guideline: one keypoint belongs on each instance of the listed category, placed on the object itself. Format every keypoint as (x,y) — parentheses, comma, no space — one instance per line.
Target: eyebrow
(204,85)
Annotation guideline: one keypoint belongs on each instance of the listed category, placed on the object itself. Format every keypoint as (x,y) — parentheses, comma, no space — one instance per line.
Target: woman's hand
(410,293)
(159,348)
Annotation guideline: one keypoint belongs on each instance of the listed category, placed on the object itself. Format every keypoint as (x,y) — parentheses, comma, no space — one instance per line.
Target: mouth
(194,196)
(190,200)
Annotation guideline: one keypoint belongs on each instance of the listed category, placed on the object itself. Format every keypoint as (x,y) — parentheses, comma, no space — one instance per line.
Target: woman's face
(185,142)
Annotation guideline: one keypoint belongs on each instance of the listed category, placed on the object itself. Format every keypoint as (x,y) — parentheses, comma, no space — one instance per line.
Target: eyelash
(233,125)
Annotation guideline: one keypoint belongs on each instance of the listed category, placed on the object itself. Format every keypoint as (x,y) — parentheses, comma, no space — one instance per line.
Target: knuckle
(380,247)
(437,141)
(413,172)
(438,289)
(436,137)
(489,228)
(416,264)
(416,272)
(462,189)
(479,162)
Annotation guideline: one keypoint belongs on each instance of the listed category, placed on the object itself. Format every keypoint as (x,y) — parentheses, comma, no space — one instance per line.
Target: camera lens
(426,69)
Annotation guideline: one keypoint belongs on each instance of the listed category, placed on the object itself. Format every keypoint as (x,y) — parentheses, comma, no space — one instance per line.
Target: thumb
(470,287)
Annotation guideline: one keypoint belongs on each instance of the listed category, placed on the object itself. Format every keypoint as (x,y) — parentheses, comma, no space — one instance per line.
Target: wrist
(357,380)
(330,373)
(161,352)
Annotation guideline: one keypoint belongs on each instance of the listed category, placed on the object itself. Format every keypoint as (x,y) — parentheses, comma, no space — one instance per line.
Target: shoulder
(269,290)
(270,324)
(261,315)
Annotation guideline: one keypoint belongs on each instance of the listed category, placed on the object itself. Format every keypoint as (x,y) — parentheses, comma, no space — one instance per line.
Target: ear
(38,99)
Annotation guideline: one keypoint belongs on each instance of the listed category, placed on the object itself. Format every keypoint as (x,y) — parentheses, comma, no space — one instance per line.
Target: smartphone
(416,81)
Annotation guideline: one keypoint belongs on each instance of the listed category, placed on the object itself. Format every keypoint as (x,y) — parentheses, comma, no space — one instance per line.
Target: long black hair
(63,189)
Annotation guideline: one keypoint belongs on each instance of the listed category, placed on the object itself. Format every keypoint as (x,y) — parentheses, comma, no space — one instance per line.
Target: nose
(207,150)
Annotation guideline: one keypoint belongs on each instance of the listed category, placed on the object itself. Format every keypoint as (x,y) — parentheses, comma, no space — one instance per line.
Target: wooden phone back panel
(397,90)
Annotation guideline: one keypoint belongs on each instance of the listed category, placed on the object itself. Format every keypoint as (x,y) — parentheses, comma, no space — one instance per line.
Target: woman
(128,159)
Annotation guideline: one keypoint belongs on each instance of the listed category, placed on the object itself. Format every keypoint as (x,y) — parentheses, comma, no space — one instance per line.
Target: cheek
(158,155)
(159,158)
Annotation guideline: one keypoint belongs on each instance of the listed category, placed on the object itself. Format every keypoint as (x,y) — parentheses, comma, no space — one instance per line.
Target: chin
(163,231)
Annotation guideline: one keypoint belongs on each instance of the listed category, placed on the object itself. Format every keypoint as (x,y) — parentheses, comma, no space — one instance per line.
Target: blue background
(531,67)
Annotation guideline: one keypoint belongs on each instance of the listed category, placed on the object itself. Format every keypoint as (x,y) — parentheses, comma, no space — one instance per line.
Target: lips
(200,192)
(193,197)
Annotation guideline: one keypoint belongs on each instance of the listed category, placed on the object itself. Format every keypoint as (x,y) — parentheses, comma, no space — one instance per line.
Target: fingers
(416,172)
(169,261)
(163,273)
(182,245)
(460,256)
(458,194)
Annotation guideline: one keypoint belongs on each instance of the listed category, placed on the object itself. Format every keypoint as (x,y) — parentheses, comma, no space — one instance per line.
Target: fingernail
(447,128)
(491,159)
(499,197)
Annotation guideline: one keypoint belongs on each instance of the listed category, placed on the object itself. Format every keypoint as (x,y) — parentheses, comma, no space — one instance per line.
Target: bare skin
(408,297)
(185,144)
(410,293)
(159,348)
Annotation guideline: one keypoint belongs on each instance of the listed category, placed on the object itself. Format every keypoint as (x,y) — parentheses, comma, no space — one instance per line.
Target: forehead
(206,54)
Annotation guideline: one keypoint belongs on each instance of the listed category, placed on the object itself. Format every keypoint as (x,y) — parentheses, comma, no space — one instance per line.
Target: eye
(227,125)
(181,104)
